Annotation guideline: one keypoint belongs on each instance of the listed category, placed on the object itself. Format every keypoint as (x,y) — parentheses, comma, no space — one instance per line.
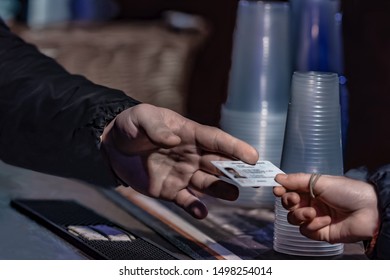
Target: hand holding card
(261,174)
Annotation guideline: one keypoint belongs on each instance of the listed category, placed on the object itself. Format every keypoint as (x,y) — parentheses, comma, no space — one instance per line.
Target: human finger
(211,185)
(215,140)
(157,130)
(142,128)
(318,223)
(279,191)
(191,204)
(314,228)
(301,215)
(298,182)
(291,200)
(162,136)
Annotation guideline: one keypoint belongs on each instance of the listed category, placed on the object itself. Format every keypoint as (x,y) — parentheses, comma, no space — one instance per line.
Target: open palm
(165,155)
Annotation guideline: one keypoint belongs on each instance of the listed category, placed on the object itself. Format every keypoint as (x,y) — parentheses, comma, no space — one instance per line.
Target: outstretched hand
(344,210)
(165,155)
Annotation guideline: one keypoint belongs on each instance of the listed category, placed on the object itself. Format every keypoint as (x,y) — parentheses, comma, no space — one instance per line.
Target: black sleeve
(381,179)
(50,120)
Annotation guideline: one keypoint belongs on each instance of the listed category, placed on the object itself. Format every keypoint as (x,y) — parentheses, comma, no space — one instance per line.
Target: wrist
(107,148)
(105,136)
(369,245)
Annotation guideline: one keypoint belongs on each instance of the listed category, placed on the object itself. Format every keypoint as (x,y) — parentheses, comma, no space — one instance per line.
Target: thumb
(135,131)
(153,122)
(298,182)
(161,136)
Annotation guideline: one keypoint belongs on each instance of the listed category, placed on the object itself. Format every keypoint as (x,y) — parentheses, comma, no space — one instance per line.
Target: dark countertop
(245,232)
(22,238)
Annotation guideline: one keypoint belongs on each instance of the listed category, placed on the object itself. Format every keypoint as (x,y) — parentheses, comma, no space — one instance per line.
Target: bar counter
(227,233)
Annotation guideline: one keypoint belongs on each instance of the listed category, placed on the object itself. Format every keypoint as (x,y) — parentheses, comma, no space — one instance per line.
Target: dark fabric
(381,180)
(50,120)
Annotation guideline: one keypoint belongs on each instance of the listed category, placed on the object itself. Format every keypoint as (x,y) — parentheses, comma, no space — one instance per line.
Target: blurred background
(178,54)
(179,47)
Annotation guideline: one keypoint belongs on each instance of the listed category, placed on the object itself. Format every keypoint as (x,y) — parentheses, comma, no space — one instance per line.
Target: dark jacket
(380,178)
(50,120)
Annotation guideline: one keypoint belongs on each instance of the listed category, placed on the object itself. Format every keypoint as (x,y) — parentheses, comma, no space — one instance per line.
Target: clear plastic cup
(312,144)
(261,66)
(259,86)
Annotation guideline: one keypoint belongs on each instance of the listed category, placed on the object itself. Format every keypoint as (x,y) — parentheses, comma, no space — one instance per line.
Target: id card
(261,174)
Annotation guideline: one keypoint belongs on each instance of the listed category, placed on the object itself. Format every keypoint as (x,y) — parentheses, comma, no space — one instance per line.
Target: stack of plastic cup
(317,43)
(93,10)
(265,133)
(313,132)
(9,9)
(314,39)
(44,13)
(312,144)
(261,61)
(259,86)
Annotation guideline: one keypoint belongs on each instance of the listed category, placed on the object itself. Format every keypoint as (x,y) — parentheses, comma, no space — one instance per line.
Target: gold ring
(312,182)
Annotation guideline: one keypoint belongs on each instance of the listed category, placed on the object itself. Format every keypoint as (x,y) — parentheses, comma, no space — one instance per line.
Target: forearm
(50,120)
